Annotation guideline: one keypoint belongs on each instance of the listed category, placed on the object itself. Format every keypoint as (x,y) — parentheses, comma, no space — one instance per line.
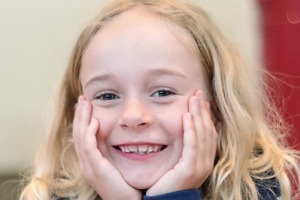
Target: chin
(141,183)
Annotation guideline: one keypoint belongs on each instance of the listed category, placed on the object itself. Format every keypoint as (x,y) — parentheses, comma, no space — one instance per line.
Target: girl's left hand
(98,171)
(198,154)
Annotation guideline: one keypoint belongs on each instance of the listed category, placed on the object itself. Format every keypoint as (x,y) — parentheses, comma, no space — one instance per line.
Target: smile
(141,149)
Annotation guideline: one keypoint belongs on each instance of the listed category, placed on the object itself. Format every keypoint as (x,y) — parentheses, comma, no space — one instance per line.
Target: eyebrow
(154,73)
(99,78)
(166,72)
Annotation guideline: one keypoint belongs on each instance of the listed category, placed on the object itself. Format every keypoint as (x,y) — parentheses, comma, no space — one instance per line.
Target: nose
(135,115)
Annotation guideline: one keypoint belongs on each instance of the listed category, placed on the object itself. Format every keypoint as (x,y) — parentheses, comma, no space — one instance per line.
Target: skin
(137,91)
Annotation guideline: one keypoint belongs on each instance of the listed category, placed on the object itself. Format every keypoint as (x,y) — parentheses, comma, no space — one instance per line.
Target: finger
(214,140)
(189,151)
(211,137)
(204,110)
(200,132)
(195,109)
(81,120)
(84,120)
(85,116)
(77,116)
(89,153)
(75,128)
(207,139)
(214,144)
(209,133)
(90,136)
(79,100)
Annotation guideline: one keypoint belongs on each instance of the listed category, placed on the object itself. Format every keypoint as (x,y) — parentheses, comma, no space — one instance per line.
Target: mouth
(141,149)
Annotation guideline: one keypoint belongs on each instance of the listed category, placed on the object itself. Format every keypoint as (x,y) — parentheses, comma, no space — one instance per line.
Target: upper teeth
(141,149)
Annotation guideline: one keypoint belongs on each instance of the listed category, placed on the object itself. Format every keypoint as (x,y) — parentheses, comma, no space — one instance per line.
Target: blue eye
(163,93)
(107,96)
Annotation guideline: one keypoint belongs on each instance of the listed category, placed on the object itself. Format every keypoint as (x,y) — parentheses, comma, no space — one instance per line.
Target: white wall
(36,37)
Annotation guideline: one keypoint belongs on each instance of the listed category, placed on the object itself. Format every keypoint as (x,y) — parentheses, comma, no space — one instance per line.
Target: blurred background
(36,41)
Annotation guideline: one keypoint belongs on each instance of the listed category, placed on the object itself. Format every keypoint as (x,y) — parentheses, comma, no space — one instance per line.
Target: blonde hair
(251,137)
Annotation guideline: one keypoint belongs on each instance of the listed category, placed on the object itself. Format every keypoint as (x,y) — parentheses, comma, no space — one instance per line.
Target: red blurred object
(280,20)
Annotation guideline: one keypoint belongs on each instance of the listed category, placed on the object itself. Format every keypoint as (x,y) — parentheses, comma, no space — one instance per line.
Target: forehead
(144,22)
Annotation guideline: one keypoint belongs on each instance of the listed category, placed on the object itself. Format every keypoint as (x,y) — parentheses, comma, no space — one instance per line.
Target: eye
(107,96)
(163,93)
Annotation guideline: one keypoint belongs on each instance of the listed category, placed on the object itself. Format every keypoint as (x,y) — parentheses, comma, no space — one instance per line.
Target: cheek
(106,121)
(172,118)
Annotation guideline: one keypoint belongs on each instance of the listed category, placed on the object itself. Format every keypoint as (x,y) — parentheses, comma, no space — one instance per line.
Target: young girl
(156,105)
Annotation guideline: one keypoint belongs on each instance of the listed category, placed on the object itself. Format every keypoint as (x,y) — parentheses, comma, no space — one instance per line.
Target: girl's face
(139,72)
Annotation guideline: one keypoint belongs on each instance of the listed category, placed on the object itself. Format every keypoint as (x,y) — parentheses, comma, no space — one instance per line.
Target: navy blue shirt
(264,194)
(268,189)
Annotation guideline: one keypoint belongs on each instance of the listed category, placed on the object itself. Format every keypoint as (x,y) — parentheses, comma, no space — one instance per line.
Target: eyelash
(107,96)
(163,91)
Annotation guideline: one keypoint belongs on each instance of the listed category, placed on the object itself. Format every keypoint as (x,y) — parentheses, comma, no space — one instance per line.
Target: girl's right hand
(198,154)
(97,170)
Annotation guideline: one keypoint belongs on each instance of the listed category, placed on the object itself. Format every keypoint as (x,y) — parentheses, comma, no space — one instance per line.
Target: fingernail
(188,116)
(194,104)
(208,108)
(84,103)
(200,95)
(93,120)
(196,101)
(207,105)
(80,99)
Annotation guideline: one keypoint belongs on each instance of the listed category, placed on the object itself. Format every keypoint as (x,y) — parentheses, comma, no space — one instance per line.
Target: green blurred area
(10,186)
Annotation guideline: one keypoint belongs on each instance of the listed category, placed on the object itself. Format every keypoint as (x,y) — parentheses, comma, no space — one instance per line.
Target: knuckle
(209,165)
(188,174)
(193,145)
(87,150)
(214,137)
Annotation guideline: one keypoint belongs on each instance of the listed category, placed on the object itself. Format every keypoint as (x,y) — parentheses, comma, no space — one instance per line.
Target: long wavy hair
(251,135)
